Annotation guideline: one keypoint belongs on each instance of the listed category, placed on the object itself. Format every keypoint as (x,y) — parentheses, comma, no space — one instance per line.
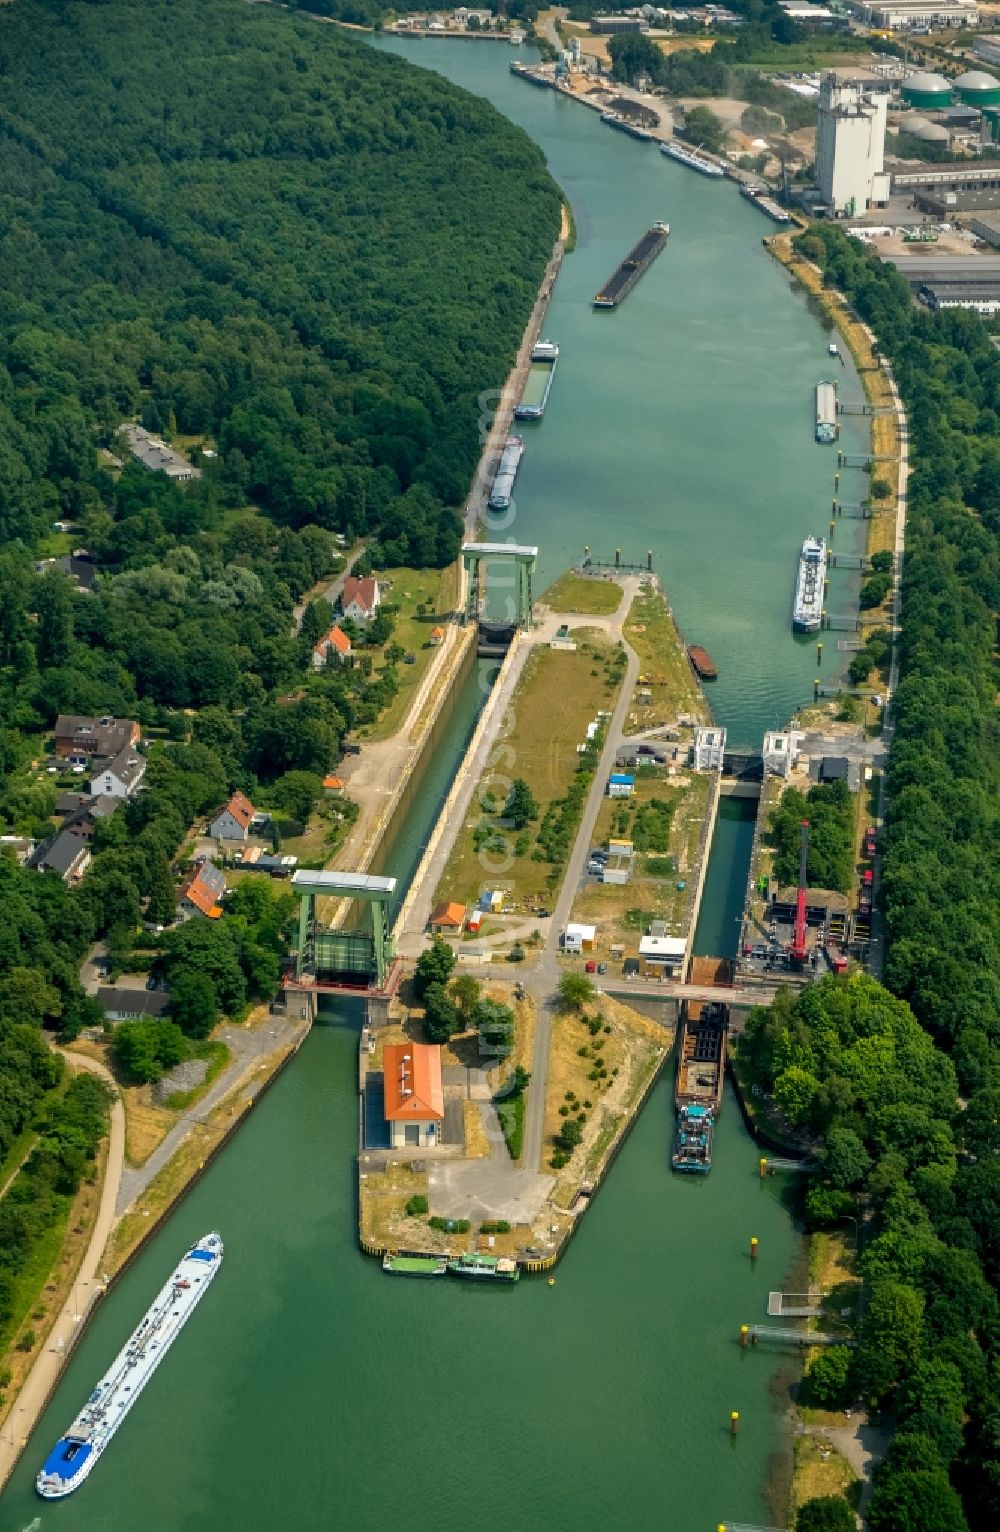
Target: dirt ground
(628,1050)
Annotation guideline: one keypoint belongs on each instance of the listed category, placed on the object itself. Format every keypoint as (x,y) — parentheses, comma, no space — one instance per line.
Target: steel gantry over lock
(476,557)
(343,958)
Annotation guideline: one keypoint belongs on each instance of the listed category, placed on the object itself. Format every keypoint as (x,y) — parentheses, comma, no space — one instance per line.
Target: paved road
(41,1379)
(332,592)
(248,1047)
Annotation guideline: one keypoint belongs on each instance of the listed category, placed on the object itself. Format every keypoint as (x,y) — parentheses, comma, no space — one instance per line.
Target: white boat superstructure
(807,612)
(692,158)
(75,1454)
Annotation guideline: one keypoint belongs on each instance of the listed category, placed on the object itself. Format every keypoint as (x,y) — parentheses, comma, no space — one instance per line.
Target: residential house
(78,567)
(449,916)
(414,1094)
(80,740)
(119,777)
(202,891)
(65,853)
(233,821)
(119,1002)
(437,637)
(82,820)
(333,787)
(361,598)
(335,643)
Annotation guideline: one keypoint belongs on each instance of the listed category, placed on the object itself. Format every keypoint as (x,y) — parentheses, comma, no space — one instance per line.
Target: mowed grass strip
(591,596)
(411,589)
(651,631)
(559,694)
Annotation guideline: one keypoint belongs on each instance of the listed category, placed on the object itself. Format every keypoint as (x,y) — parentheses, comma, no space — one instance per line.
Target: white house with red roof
(233,821)
(361,598)
(335,643)
(414,1094)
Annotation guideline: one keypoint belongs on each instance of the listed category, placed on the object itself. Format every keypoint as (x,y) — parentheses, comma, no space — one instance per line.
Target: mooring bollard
(734,1422)
(753,1247)
(744,1335)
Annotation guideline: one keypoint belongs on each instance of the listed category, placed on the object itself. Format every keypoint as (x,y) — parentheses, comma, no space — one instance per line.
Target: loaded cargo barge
(701,1066)
(544,359)
(827,429)
(759,197)
(618,286)
(702,663)
(633,129)
(503,483)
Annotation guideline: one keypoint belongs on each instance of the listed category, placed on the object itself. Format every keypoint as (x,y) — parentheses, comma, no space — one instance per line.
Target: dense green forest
(270,234)
(829,808)
(260,236)
(908,1117)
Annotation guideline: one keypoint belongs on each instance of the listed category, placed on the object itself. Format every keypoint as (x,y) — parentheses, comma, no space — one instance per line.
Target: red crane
(798,949)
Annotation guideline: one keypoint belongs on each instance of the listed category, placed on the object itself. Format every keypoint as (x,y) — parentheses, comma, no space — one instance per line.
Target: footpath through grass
(667,686)
(559,694)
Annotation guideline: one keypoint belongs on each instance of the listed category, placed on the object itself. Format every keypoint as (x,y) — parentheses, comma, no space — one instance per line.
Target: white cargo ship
(691,157)
(75,1454)
(503,482)
(807,612)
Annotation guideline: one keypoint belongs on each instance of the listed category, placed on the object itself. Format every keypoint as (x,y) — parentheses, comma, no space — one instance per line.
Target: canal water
(311,1391)
(683,421)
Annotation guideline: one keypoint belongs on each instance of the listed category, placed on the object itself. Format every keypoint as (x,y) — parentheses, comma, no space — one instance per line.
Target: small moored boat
(702,663)
(414,1265)
(485,1268)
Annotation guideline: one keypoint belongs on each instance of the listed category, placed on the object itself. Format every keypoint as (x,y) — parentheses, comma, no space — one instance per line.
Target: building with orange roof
(414,1094)
(437,636)
(335,643)
(233,821)
(202,891)
(333,786)
(449,916)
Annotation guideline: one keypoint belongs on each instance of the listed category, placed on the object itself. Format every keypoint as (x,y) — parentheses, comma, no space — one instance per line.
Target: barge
(702,663)
(633,129)
(701,1069)
(503,482)
(810,583)
(694,1133)
(484,1268)
(402,1265)
(701,1056)
(618,286)
(827,429)
(76,1454)
(693,158)
(759,197)
(544,359)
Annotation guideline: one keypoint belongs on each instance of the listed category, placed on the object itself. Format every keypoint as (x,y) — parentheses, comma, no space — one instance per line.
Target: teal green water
(311,1391)
(682,421)
(718,930)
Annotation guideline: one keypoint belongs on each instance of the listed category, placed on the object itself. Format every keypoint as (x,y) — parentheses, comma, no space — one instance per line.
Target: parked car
(602,968)
(631,968)
(869,877)
(871,841)
(591,966)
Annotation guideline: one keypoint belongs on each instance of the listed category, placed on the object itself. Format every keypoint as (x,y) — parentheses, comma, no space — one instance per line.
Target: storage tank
(932,133)
(926,90)
(976,88)
(991,124)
